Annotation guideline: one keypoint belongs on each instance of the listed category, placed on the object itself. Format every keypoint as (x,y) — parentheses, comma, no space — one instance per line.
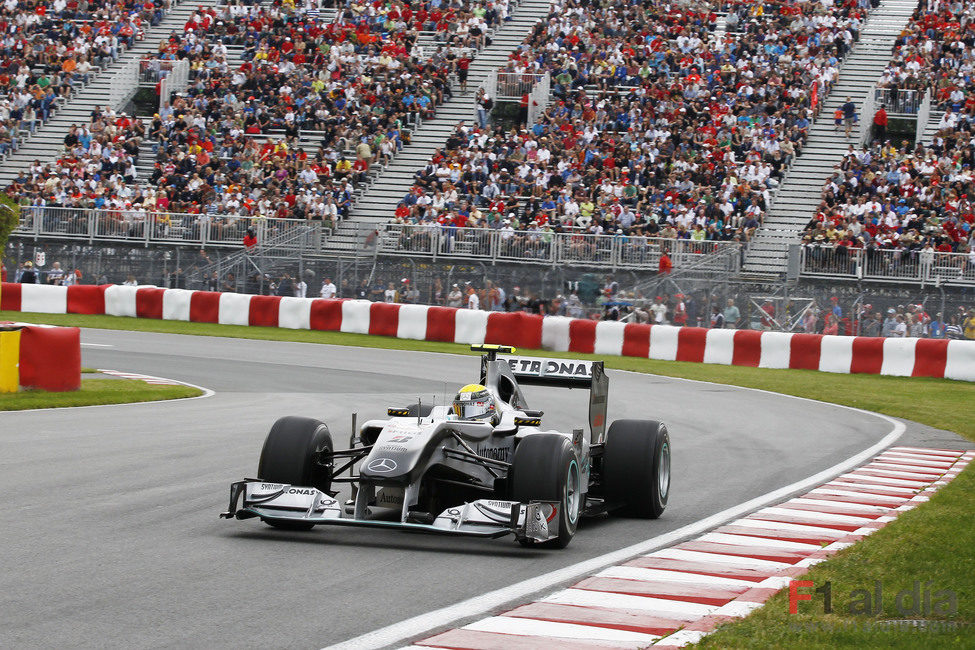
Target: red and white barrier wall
(842,354)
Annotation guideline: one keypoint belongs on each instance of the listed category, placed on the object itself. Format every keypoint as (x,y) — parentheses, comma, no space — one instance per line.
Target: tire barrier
(838,354)
(49,357)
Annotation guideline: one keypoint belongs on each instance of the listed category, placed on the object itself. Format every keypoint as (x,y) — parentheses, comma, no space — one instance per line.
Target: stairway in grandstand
(796,200)
(378,203)
(47,142)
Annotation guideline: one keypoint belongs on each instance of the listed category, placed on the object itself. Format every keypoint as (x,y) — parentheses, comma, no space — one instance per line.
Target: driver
(474,402)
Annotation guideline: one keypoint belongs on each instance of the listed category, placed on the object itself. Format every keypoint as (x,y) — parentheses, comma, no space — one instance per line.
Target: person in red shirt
(880,125)
(665,265)
(680,310)
(463,65)
(250,239)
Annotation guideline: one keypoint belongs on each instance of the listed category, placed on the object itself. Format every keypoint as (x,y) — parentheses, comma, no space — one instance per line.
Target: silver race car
(481,466)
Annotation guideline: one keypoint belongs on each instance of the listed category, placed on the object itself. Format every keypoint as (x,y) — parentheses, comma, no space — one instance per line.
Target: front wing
(535,520)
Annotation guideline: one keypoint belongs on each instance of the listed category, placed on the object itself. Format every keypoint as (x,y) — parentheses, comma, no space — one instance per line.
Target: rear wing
(567,373)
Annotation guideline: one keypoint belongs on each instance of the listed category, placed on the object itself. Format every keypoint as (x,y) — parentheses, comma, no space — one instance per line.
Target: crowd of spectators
(907,205)
(916,202)
(49,49)
(662,127)
(288,124)
(97,169)
(913,320)
(935,51)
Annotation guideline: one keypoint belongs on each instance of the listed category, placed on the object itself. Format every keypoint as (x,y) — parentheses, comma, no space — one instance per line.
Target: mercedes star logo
(381,465)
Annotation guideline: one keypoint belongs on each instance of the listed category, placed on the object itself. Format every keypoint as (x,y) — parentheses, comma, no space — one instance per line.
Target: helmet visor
(472,409)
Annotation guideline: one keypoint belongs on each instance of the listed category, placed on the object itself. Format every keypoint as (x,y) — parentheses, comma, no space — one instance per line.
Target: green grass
(932,543)
(95,391)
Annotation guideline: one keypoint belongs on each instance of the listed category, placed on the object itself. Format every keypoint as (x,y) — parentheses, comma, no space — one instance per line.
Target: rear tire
(297,451)
(544,468)
(636,467)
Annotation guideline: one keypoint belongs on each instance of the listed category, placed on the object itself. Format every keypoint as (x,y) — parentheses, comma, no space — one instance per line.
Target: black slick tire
(636,467)
(297,451)
(544,468)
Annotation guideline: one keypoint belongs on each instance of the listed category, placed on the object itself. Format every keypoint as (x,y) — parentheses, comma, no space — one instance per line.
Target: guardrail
(514,85)
(174,82)
(138,227)
(538,98)
(124,84)
(898,100)
(923,114)
(900,266)
(865,126)
(550,248)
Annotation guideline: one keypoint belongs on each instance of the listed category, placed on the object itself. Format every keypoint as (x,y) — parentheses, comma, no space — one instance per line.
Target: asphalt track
(110,535)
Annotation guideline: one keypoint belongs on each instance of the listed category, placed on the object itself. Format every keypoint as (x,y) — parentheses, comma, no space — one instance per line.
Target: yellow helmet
(473,402)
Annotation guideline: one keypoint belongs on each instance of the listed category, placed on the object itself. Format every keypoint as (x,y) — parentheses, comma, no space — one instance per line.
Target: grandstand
(622,138)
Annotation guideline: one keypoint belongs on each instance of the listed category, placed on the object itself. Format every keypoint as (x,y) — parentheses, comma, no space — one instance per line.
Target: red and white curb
(674,596)
(149,379)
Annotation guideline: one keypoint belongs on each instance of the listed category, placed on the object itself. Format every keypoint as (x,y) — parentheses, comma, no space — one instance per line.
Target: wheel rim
(572,493)
(663,473)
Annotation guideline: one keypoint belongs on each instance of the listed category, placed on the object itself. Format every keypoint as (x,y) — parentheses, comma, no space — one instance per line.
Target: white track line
(398,633)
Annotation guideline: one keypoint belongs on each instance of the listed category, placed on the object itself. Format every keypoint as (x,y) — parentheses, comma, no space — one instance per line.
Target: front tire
(636,467)
(545,468)
(297,451)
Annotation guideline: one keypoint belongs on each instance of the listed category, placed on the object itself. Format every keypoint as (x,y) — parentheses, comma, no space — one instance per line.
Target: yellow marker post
(9,361)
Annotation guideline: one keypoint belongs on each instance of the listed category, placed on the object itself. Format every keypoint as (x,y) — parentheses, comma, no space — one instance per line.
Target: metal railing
(514,85)
(900,266)
(538,98)
(865,131)
(549,247)
(124,84)
(136,226)
(898,101)
(175,81)
(923,114)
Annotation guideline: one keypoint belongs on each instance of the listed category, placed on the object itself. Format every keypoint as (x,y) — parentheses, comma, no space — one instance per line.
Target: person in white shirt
(328,289)
(473,302)
(659,311)
(455,298)
(900,329)
(56,274)
(301,289)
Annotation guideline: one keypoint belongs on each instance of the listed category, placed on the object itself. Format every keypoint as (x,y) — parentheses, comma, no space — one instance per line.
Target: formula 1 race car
(481,466)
